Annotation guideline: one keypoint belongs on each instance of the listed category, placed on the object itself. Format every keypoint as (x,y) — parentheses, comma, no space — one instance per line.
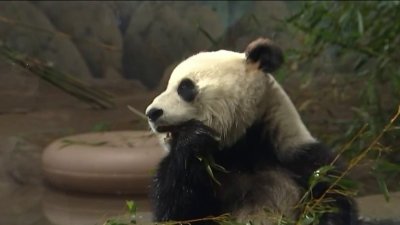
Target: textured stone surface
(25,28)
(158,35)
(94,28)
(18,89)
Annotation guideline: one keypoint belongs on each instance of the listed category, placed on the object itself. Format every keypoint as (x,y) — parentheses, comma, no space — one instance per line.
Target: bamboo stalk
(65,82)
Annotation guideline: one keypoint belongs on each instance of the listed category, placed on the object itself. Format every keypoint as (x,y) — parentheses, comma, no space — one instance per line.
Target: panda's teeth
(168,137)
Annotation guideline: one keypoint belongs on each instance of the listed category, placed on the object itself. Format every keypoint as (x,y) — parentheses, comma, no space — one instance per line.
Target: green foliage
(101,126)
(365,33)
(319,175)
(368,28)
(384,170)
(361,40)
(129,220)
(132,211)
(210,164)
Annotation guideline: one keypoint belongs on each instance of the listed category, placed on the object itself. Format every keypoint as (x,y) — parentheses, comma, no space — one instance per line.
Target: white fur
(285,120)
(232,95)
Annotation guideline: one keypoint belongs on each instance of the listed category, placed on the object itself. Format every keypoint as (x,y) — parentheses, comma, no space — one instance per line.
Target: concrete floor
(44,205)
(48,206)
(25,199)
(376,207)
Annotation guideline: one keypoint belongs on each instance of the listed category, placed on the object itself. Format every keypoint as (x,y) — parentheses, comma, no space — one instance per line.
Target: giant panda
(227,107)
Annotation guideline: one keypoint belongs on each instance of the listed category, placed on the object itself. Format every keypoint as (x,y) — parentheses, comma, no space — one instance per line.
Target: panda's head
(226,90)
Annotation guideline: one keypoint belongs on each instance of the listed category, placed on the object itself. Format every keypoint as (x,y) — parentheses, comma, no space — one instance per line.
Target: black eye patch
(187,90)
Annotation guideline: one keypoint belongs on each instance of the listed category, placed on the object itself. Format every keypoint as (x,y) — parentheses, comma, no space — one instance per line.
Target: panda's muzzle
(154,113)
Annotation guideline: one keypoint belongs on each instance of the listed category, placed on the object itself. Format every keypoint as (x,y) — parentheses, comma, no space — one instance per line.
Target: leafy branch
(65,82)
(311,204)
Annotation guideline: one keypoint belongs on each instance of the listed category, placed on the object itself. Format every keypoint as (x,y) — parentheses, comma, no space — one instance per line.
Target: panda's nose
(154,113)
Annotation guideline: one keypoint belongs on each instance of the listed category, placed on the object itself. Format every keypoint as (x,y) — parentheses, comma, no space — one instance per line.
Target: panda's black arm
(182,188)
(306,159)
(310,158)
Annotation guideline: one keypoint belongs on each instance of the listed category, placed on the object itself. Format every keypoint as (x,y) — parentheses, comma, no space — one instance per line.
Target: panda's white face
(220,88)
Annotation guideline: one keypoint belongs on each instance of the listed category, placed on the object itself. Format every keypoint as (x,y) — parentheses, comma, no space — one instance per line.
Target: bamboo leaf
(208,167)
(214,165)
(319,175)
(132,208)
(102,126)
(360,22)
(207,35)
(308,219)
(347,184)
(385,166)
(360,63)
(65,82)
(210,172)
(383,187)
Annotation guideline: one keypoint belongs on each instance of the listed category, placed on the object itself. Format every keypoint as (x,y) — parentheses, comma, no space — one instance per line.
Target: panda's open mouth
(166,129)
(170,130)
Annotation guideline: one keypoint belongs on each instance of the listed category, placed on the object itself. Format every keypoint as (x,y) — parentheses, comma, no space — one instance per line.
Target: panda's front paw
(195,137)
(196,128)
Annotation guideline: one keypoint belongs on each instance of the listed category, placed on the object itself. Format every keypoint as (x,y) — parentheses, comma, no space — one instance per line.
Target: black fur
(267,54)
(187,90)
(250,154)
(308,159)
(183,189)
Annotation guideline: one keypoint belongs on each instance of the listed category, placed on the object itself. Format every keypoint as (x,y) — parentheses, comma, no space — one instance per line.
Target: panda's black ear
(267,54)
